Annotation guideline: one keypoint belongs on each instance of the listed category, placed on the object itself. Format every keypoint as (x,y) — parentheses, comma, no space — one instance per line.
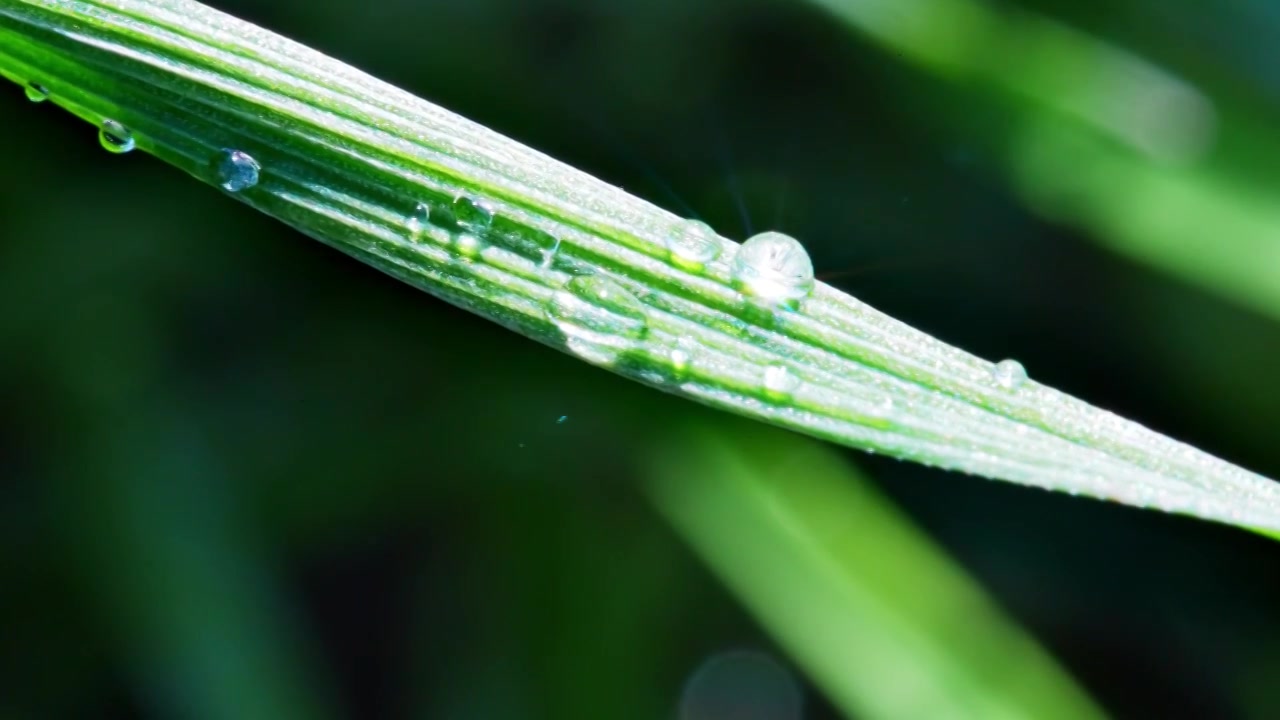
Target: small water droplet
(472,214)
(693,244)
(599,318)
(779,382)
(115,137)
(37,93)
(549,253)
(418,220)
(237,170)
(1009,374)
(469,246)
(774,268)
(682,357)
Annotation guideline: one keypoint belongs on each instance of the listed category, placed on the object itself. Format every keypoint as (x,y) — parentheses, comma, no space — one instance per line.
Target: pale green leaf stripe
(346,158)
(877,616)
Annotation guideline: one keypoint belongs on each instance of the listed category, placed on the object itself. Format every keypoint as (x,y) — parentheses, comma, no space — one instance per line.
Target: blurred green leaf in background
(245,477)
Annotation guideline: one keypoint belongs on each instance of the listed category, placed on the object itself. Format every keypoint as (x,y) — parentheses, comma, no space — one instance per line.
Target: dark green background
(233,458)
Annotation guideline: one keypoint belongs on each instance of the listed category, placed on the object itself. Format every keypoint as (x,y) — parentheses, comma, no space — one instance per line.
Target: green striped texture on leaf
(488,224)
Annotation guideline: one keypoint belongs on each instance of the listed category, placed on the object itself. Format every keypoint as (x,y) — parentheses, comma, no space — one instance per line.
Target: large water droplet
(36,92)
(773,268)
(237,170)
(472,214)
(779,382)
(599,318)
(115,137)
(693,244)
(1009,374)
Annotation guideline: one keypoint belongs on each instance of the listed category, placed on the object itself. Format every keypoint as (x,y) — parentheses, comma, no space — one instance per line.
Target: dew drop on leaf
(115,137)
(417,221)
(468,245)
(37,93)
(682,357)
(773,268)
(779,382)
(599,318)
(472,214)
(237,170)
(1008,374)
(692,244)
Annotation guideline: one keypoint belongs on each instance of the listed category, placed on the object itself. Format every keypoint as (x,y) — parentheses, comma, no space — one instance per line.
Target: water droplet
(682,357)
(237,170)
(693,244)
(472,214)
(774,268)
(599,318)
(417,222)
(1009,374)
(115,137)
(744,686)
(779,382)
(469,246)
(549,252)
(37,93)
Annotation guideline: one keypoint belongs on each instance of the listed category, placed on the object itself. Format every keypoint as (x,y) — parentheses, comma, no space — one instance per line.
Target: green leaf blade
(348,159)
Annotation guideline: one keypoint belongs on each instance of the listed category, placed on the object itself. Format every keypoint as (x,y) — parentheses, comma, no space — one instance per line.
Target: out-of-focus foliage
(234,463)
(877,616)
(1153,164)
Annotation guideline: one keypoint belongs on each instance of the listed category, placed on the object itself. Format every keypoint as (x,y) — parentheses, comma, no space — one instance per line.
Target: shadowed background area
(244,476)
